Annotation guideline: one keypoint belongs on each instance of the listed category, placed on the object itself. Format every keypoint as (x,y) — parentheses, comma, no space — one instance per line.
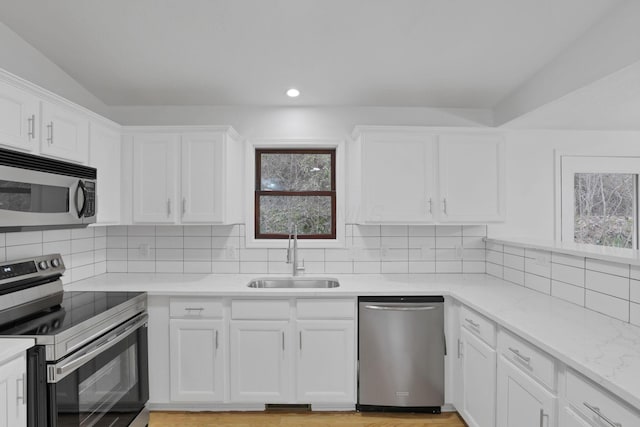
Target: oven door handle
(59,371)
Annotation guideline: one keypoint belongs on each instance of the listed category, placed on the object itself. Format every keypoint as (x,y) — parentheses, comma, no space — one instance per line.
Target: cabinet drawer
(326,309)
(195,307)
(260,309)
(478,325)
(535,362)
(597,405)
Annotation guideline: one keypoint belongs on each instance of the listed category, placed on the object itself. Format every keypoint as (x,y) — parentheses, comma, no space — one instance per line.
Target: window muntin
(295,187)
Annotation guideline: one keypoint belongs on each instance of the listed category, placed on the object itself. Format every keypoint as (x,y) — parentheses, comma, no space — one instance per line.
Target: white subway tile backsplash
(141,266)
(394,242)
(539,266)
(538,283)
(225,267)
(310,267)
(447,255)
(473,255)
(422,267)
(495,257)
(168,242)
(331,267)
(422,242)
(634,315)
(117,266)
(635,272)
(474,266)
(513,276)
(199,267)
(82,233)
(116,254)
(252,255)
(141,255)
(141,230)
(422,230)
(198,230)
(608,267)
(197,254)
(394,230)
(100,268)
(495,270)
(605,304)
(366,242)
(137,241)
(197,242)
(226,230)
(568,274)
(448,230)
(225,241)
(169,267)
(310,255)
(474,230)
(567,292)
(81,259)
(366,231)
(342,255)
(23,251)
(169,230)
(82,272)
(254,267)
(448,266)
(513,250)
(608,284)
(23,238)
(491,246)
(62,247)
(473,242)
(515,262)
(634,294)
(56,235)
(114,242)
(449,242)
(117,230)
(81,245)
(573,261)
(364,267)
(394,267)
(279,268)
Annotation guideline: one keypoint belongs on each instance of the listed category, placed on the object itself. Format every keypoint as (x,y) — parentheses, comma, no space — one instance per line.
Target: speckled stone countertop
(603,349)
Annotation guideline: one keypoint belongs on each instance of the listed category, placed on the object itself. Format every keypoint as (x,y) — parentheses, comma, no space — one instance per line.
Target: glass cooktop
(74,308)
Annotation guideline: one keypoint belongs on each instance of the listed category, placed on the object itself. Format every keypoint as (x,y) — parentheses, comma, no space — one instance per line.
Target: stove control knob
(55,263)
(43,265)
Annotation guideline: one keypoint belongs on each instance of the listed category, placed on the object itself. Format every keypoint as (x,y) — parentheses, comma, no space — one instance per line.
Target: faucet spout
(296,269)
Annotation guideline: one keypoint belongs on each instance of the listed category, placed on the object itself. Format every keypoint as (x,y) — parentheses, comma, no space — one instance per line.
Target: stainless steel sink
(294,282)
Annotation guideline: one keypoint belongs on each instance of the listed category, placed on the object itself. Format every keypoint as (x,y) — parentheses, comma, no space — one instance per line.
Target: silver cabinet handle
(430,206)
(300,339)
(184,205)
(444,206)
(472,323)
(397,308)
(459,345)
(542,417)
(520,356)
(21,390)
(32,126)
(596,411)
(282,340)
(168,207)
(190,309)
(50,133)
(216,339)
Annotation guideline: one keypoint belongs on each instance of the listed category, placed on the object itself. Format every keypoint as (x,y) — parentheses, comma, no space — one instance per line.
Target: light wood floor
(309,419)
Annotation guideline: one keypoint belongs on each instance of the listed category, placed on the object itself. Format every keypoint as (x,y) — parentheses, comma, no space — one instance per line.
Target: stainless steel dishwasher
(401,349)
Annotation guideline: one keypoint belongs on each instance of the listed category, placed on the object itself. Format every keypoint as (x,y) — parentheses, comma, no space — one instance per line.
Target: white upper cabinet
(104,155)
(64,133)
(201,175)
(413,175)
(398,178)
(19,115)
(155,166)
(471,178)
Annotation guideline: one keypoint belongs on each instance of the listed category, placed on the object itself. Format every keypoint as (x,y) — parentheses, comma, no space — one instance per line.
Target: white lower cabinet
(13,399)
(260,361)
(325,366)
(197,362)
(522,401)
(478,381)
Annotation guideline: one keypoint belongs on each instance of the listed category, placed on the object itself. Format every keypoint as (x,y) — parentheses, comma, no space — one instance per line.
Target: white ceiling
(435,53)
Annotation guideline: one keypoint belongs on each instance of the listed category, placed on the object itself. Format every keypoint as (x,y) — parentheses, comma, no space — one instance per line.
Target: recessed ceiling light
(293,93)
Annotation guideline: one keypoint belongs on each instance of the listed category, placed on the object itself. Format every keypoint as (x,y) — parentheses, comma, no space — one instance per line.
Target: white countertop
(605,350)
(10,347)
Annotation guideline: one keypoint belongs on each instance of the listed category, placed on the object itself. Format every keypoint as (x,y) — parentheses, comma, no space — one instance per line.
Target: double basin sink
(294,282)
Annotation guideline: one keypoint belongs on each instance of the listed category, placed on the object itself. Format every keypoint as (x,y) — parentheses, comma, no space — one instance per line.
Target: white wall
(530,174)
(20,58)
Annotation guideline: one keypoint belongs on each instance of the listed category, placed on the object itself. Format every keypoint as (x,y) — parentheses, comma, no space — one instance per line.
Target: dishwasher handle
(401,308)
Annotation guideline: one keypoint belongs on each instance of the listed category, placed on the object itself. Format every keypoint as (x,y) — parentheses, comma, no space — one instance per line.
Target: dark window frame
(259,192)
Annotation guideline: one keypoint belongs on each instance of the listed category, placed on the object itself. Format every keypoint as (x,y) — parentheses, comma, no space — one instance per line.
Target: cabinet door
(104,155)
(197,362)
(18,118)
(13,408)
(521,400)
(202,178)
(326,361)
(260,361)
(478,381)
(155,164)
(397,179)
(64,133)
(568,418)
(471,178)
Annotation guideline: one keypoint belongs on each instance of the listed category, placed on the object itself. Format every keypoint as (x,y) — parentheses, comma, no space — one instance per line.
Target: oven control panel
(45,265)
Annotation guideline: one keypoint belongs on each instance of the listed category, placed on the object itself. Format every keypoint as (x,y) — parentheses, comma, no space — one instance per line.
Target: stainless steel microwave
(41,193)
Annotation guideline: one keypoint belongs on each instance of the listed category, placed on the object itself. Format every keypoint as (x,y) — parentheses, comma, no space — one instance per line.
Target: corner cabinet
(414,175)
(185,177)
(104,155)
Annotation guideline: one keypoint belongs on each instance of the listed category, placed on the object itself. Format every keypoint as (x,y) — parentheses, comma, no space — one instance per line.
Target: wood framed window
(295,187)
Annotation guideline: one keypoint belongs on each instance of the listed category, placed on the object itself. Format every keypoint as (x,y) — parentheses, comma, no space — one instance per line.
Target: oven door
(105,384)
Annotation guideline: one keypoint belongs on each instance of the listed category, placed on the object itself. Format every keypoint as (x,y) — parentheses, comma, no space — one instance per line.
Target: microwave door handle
(82,188)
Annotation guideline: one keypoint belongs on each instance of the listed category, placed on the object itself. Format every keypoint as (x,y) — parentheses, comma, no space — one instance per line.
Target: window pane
(312,214)
(295,172)
(604,209)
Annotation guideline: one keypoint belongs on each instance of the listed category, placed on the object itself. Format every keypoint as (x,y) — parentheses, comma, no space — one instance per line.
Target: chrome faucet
(297,270)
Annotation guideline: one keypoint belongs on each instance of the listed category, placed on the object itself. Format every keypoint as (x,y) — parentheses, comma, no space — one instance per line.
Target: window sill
(605,253)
